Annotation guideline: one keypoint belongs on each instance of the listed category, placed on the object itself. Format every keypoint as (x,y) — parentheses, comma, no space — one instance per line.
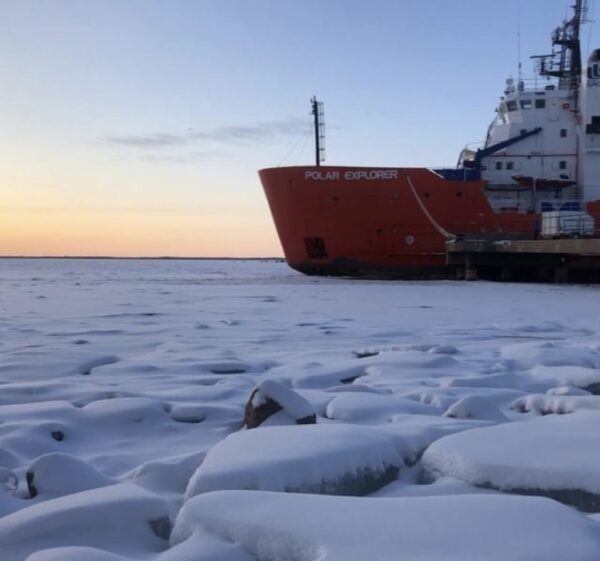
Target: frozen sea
(454,420)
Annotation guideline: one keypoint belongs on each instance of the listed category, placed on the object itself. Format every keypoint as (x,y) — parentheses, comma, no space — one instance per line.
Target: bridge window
(563,133)
(562,164)
(540,103)
(498,165)
(511,105)
(510,165)
(526,104)
(594,127)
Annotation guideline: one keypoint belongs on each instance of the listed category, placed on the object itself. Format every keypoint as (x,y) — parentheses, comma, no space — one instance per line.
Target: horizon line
(162,257)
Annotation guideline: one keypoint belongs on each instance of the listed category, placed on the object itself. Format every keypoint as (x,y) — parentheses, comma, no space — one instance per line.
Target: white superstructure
(542,151)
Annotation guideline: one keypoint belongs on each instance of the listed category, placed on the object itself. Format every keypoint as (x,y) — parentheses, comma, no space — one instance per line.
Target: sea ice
(324,458)
(129,377)
(555,456)
(293,527)
(121,519)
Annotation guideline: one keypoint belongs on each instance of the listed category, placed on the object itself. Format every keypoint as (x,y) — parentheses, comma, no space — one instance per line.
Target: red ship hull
(382,222)
(378,221)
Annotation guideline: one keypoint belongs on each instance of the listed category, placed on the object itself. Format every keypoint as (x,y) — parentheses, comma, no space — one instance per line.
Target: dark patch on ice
(421,347)
(89,332)
(594,388)
(133,315)
(360,483)
(30,486)
(81,342)
(58,435)
(192,419)
(228,370)
(582,500)
(202,326)
(350,379)
(86,369)
(329,328)
(365,354)
(161,527)
(308,420)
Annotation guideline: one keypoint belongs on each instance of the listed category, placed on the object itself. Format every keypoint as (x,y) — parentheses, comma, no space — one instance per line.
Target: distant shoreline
(165,258)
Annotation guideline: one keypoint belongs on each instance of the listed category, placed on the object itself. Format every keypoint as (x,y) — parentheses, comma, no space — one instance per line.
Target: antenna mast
(565,62)
(519,47)
(318,113)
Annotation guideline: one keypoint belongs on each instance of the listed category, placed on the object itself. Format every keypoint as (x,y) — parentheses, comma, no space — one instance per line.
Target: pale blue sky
(151,108)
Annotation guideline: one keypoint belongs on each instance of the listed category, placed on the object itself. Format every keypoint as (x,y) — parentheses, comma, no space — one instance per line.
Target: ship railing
(528,85)
(457,174)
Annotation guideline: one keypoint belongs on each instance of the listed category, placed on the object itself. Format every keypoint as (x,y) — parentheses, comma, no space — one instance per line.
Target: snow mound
(372,407)
(325,458)
(122,519)
(293,527)
(578,376)
(412,434)
(55,475)
(555,456)
(475,407)
(567,390)
(548,353)
(75,554)
(9,488)
(555,404)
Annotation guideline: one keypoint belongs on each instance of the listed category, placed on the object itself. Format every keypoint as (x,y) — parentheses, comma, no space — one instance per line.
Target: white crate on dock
(567,223)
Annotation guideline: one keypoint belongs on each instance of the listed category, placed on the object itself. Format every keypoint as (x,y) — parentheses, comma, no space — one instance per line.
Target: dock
(540,260)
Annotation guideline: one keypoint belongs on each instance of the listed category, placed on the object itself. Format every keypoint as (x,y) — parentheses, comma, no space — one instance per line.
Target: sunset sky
(136,127)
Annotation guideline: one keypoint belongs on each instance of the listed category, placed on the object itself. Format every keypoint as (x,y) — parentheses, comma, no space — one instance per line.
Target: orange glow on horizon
(123,234)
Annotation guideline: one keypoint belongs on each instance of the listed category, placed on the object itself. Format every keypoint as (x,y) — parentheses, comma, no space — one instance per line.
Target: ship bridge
(530,145)
(549,155)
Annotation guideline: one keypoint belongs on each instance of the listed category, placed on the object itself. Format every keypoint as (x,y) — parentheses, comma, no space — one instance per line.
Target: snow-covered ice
(326,459)
(556,454)
(124,383)
(287,527)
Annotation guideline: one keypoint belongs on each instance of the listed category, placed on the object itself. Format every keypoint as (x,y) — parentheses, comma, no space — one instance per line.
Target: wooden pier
(543,260)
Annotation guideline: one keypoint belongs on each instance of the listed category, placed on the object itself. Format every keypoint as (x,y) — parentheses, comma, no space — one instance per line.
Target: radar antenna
(318,112)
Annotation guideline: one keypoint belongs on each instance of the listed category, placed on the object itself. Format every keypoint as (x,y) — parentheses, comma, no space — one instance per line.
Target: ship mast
(318,113)
(564,63)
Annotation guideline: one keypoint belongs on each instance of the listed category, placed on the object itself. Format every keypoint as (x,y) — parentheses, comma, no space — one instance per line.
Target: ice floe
(555,456)
(323,458)
(284,527)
